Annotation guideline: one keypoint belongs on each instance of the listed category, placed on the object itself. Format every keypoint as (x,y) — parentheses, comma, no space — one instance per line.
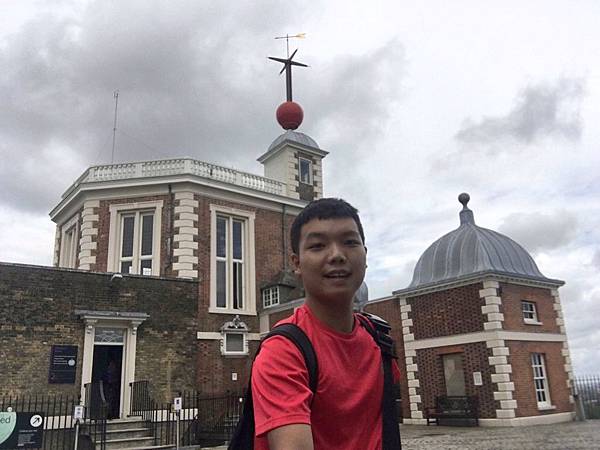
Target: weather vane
(288,63)
(287,38)
(289,114)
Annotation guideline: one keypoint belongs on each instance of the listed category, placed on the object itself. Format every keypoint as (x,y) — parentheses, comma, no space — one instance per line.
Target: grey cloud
(353,97)
(193,81)
(539,231)
(540,110)
(187,74)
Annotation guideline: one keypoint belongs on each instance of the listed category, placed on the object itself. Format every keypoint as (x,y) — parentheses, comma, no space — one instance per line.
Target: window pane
(237,239)
(146,265)
(126,267)
(237,286)
(305,166)
(234,342)
(127,248)
(147,227)
(221,284)
(221,236)
(105,335)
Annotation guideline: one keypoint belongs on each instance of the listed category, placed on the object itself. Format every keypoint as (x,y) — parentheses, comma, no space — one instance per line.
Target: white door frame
(111,319)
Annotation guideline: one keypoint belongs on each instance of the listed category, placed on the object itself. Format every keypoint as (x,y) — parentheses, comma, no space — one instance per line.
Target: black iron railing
(59,433)
(96,413)
(588,391)
(202,420)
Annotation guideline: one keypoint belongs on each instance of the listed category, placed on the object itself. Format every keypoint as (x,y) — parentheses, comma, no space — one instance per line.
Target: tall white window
(305,167)
(529,312)
(137,246)
(232,262)
(134,238)
(69,243)
(540,380)
(270,296)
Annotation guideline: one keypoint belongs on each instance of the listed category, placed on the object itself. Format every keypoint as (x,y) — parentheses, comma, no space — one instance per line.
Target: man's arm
(291,437)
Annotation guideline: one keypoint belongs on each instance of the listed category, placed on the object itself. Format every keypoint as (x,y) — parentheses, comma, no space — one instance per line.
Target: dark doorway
(107,368)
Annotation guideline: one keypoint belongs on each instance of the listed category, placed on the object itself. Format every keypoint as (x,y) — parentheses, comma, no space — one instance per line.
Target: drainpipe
(283,238)
(169,240)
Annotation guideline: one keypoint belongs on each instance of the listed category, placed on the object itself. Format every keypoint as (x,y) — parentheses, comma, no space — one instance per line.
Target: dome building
(480,321)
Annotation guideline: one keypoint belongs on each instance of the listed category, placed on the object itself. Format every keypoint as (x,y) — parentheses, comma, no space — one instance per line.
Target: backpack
(243,435)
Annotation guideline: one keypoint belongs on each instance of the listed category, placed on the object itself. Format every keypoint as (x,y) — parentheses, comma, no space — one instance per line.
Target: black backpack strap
(295,334)
(379,329)
(243,435)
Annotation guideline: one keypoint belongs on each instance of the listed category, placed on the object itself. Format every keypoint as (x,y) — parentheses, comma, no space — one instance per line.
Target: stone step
(129,422)
(123,433)
(112,444)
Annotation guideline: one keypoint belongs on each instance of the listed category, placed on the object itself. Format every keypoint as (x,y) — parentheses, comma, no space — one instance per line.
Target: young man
(329,255)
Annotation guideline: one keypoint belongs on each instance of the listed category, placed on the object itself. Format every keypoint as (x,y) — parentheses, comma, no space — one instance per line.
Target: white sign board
(177,403)
(78,412)
(477,381)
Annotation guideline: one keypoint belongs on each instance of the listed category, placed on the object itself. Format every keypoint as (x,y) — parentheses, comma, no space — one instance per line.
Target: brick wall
(37,312)
(520,358)
(444,313)
(513,294)
(474,358)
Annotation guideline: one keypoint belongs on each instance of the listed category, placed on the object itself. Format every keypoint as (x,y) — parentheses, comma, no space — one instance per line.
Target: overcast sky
(415,101)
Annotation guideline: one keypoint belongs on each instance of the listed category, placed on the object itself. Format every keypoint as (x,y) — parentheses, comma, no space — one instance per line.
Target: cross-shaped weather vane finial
(289,114)
(288,63)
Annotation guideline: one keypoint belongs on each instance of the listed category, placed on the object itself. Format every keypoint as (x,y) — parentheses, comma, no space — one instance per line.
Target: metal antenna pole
(112,158)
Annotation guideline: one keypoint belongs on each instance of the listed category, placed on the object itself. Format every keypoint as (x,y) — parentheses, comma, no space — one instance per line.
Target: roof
(472,250)
(297,138)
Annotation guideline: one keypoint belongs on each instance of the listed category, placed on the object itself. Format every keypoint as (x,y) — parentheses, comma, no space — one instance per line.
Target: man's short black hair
(323,209)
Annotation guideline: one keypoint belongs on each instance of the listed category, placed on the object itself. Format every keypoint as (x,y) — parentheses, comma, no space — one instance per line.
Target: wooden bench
(458,410)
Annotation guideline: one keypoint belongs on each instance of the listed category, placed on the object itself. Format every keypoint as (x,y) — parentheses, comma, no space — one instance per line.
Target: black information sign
(63,364)
(21,430)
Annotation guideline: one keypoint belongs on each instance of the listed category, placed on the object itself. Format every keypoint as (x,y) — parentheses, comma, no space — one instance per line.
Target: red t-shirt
(346,411)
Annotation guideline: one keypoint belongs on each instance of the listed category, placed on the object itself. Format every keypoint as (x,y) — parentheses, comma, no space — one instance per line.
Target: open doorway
(106,367)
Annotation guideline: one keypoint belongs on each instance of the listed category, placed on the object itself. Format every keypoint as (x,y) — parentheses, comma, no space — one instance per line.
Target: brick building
(171,270)
(480,319)
(181,225)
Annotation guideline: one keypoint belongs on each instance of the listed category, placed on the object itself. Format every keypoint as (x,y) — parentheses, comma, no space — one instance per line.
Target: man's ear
(295,263)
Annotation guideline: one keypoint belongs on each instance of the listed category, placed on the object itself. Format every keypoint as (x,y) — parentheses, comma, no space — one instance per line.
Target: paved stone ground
(564,436)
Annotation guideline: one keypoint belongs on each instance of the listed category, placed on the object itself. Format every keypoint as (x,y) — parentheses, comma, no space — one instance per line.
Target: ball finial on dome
(464,199)
(289,115)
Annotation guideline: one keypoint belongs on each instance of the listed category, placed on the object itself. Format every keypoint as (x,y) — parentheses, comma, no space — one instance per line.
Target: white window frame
(244,350)
(68,247)
(270,296)
(530,315)
(117,212)
(310,170)
(248,252)
(540,381)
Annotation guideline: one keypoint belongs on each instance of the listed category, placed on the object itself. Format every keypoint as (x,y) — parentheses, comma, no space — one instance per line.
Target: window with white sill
(234,340)
(305,169)
(134,238)
(540,380)
(529,311)
(69,241)
(232,261)
(270,296)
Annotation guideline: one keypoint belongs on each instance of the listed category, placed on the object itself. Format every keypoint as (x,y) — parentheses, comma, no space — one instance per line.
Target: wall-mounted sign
(63,364)
(477,381)
(21,430)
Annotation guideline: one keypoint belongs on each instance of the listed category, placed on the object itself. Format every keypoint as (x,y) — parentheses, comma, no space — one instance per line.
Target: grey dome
(294,136)
(471,250)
